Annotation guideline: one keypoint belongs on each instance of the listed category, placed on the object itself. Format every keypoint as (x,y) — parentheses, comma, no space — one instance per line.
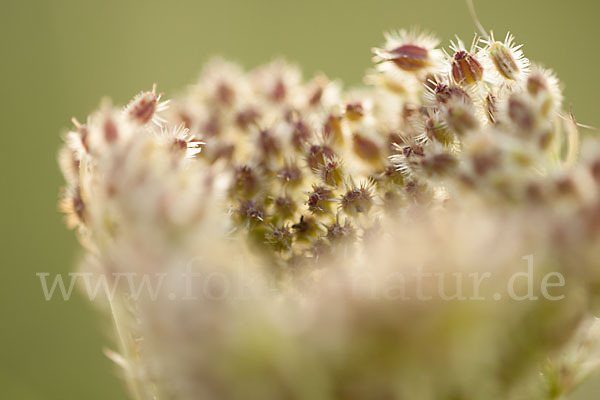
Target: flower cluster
(312,197)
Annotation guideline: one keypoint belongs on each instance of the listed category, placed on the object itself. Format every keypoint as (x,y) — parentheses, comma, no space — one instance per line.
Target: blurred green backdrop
(59,57)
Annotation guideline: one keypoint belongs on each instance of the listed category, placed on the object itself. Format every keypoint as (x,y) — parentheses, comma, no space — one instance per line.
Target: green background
(59,57)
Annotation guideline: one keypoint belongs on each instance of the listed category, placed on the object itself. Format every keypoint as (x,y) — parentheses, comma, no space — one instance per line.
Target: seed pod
(504,61)
(388,177)
(439,164)
(332,130)
(268,144)
(290,174)
(247,117)
(300,135)
(409,51)
(365,148)
(145,106)
(317,154)
(439,93)
(224,93)
(111,132)
(246,182)
(409,57)
(315,97)
(485,161)
(320,200)
(439,131)
(543,86)
(521,113)
(505,58)
(250,213)
(407,158)
(340,234)
(181,141)
(285,207)
(279,238)
(466,70)
(212,126)
(393,140)
(331,172)
(357,200)
(460,117)
(279,91)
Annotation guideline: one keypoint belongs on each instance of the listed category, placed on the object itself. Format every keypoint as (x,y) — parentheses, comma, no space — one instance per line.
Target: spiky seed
(245,181)
(504,61)
(332,130)
(466,70)
(357,200)
(320,200)
(279,238)
(331,172)
(461,118)
(521,113)
(300,135)
(247,117)
(340,234)
(250,212)
(285,207)
(409,57)
(290,174)
(317,154)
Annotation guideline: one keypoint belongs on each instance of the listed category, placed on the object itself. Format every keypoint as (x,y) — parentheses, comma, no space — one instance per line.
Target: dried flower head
(464,164)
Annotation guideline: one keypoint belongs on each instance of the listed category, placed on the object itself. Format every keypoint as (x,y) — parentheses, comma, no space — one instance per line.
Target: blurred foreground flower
(431,236)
